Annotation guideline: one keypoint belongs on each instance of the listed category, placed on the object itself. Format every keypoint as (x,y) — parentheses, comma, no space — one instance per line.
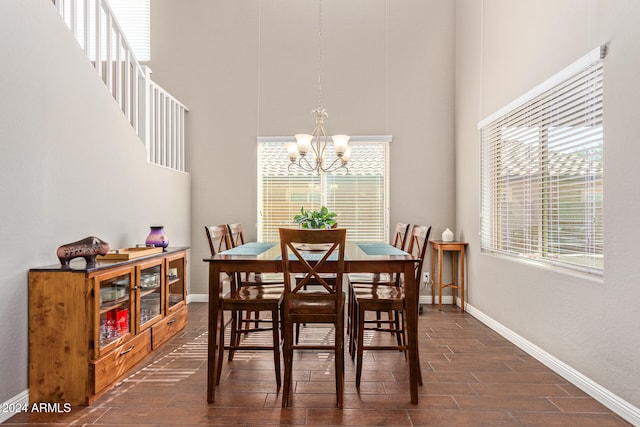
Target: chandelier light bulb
(346,156)
(292,150)
(340,144)
(304,143)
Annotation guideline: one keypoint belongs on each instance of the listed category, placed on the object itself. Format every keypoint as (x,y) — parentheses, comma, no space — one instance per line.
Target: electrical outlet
(426,278)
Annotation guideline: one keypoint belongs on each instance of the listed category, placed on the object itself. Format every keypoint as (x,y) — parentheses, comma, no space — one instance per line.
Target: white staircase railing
(157,117)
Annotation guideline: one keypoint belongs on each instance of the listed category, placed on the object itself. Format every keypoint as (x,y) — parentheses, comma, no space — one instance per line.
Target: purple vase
(157,237)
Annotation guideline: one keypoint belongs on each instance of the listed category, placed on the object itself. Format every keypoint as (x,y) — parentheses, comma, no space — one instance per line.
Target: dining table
(262,257)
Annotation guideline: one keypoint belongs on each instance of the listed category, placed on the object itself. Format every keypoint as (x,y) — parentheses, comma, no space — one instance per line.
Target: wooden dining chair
(271,282)
(385,298)
(245,297)
(367,280)
(236,238)
(323,303)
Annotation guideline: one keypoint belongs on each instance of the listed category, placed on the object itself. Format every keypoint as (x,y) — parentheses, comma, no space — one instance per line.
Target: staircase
(157,117)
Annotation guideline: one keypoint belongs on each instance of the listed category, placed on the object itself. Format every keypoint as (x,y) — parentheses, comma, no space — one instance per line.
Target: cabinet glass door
(150,291)
(115,308)
(176,281)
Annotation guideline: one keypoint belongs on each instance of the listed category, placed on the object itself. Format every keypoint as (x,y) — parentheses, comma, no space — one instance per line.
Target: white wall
(72,167)
(249,68)
(505,48)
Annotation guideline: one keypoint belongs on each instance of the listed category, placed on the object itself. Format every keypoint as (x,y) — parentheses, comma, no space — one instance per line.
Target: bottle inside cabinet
(176,282)
(115,308)
(150,294)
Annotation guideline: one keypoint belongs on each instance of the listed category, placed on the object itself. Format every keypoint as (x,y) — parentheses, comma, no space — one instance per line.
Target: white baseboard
(599,393)
(197,298)
(17,402)
(426,299)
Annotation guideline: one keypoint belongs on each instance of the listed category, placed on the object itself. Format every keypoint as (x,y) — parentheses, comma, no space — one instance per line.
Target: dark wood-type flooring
(472,377)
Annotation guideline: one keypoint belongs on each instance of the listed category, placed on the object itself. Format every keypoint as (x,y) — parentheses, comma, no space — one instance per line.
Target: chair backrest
(218,237)
(418,240)
(400,235)
(322,300)
(236,234)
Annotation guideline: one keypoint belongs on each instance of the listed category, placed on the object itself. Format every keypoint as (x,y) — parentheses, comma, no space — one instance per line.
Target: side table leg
(440,279)
(462,261)
(454,277)
(433,275)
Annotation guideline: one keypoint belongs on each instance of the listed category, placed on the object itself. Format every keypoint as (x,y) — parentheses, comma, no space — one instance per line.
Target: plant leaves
(315,219)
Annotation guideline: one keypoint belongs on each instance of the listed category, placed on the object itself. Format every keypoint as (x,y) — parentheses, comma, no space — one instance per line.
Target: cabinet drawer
(168,327)
(116,363)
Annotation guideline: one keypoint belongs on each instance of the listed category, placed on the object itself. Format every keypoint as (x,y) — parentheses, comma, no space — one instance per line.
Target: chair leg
(379,320)
(404,329)
(360,345)
(353,340)
(220,348)
(256,316)
(288,362)
(276,344)
(234,337)
(350,320)
(339,350)
(398,324)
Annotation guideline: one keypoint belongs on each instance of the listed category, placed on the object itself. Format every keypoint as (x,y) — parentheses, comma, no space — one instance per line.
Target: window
(360,198)
(133,16)
(542,171)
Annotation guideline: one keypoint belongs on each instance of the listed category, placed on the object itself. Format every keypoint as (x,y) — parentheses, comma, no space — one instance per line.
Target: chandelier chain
(319,53)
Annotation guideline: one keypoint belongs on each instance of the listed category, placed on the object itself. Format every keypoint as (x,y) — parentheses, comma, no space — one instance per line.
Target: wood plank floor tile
(532,419)
(358,417)
(462,418)
(472,377)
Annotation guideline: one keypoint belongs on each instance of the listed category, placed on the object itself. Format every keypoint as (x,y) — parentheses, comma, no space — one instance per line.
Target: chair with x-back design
(322,303)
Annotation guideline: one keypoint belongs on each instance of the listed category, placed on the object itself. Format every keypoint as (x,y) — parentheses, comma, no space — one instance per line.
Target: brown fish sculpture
(86,248)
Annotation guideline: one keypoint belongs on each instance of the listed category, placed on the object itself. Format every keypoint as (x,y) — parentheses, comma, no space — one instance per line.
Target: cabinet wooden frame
(67,362)
(141,292)
(96,281)
(180,263)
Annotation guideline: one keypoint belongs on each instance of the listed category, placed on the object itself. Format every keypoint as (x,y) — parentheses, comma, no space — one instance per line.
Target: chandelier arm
(307,166)
(331,168)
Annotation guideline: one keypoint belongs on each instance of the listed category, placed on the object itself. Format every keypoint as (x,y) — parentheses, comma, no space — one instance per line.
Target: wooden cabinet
(89,327)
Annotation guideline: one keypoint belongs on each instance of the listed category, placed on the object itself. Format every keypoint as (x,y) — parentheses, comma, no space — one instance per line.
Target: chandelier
(308,153)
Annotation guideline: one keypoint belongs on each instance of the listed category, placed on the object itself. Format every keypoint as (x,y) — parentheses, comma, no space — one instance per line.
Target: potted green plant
(321,219)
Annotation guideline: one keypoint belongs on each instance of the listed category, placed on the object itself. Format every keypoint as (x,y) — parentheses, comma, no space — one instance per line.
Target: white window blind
(134,17)
(542,171)
(360,198)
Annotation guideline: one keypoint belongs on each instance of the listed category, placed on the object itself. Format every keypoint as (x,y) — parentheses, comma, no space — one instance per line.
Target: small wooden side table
(439,247)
